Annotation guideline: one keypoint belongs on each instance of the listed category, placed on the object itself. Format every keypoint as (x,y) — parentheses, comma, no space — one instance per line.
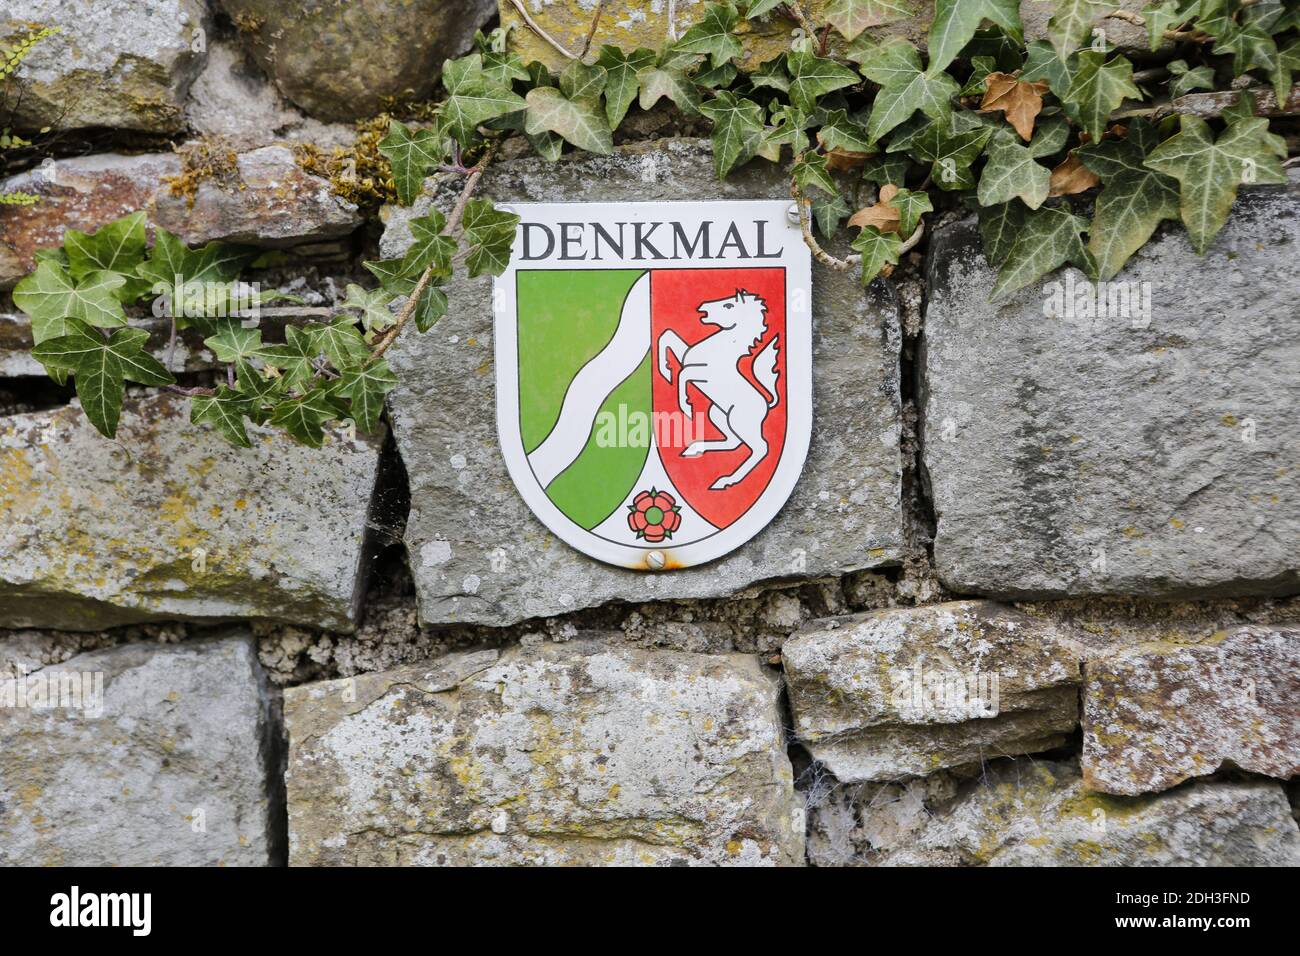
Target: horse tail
(765,371)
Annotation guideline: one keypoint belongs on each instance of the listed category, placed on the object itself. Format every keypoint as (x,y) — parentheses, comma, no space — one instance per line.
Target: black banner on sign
(304,907)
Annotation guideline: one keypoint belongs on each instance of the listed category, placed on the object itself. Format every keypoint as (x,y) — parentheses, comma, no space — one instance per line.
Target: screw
(793,214)
(656,560)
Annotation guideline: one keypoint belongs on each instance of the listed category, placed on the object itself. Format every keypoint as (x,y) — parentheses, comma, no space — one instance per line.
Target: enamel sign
(654,373)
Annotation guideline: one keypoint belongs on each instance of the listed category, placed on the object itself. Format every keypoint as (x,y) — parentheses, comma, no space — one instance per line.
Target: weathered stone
(633,23)
(344,61)
(906,691)
(234,101)
(1146,455)
(171,521)
(274,202)
(1038,813)
(576,753)
(155,755)
(117,63)
(477,551)
(269,201)
(1155,716)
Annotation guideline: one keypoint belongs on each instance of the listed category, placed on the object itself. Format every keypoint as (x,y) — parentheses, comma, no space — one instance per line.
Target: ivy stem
(189,392)
(171,341)
(532,25)
(452,227)
(803,203)
(591,32)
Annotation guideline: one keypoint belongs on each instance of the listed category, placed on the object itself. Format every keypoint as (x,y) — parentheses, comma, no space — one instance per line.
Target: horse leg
(728,441)
(748,424)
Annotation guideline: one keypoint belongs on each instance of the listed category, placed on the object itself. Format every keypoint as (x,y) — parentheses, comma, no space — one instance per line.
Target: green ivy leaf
(232,342)
(101,364)
(757,8)
(911,205)
(813,76)
(1135,200)
(502,68)
(949,153)
(840,132)
(1209,170)
(1072,22)
(117,248)
(581,122)
(491,235)
(1185,79)
(999,226)
(430,246)
(51,298)
(1098,88)
(828,212)
(622,80)
(1011,172)
(393,275)
(225,411)
(1162,16)
(713,35)
(771,73)
(878,250)
(365,387)
(341,343)
(411,154)
(371,305)
(737,130)
(473,99)
(884,170)
(811,173)
(295,359)
(1042,63)
(904,87)
(660,81)
(955,23)
(304,417)
(261,389)
(1048,239)
(851,17)
(170,257)
(431,307)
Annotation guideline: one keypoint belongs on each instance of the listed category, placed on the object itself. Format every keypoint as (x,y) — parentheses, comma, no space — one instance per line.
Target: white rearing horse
(738,409)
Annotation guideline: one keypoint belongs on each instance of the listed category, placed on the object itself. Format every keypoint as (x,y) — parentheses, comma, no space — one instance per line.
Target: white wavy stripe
(592,385)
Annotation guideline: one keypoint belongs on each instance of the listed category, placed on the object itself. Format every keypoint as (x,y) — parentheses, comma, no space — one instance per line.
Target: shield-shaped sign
(654,373)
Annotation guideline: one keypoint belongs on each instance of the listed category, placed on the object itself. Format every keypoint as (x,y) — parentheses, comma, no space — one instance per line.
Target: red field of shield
(675,299)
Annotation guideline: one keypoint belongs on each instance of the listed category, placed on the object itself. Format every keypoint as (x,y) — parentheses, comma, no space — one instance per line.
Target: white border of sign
(796,260)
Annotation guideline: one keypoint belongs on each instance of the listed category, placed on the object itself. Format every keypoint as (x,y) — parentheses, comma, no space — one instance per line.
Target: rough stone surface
(1038,813)
(270,201)
(1146,456)
(1157,715)
(577,754)
(344,61)
(477,552)
(175,771)
(276,203)
(171,521)
(634,23)
(232,99)
(906,691)
(115,63)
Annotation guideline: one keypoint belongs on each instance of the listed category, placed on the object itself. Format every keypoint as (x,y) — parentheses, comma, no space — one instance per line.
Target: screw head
(656,560)
(793,214)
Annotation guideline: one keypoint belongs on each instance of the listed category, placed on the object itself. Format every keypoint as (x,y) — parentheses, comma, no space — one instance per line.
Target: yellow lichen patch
(359,174)
(205,160)
(16,488)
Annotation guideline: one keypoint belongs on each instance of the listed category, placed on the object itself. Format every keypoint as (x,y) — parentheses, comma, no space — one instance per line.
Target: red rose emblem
(653,515)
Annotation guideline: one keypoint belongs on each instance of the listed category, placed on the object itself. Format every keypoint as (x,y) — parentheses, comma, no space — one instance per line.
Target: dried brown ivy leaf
(1071,177)
(1020,101)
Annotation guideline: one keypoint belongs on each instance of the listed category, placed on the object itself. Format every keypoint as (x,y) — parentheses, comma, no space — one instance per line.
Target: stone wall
(1033,601)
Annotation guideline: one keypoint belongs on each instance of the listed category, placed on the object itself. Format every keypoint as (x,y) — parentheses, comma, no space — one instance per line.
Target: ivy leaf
(1162,16)
(771,73)
(261,389)
(372,305)
(949,153)
(341,343)
(583,82)
(101,365)
(622,80)
(232,342)
(117,247)
(51,298)
(757,8)
(885,170)
(1186,79)
(431,307)
(411,153)
(999,227)
(840,132)
(473,99)
(828,212)
(295,359)
(878,250)
(491,235)
(955,23)
(896,66)
(1049,238)
(1209,170)
(1135,200)
(1042,63)
(170,257)
(431,247)
(911,205)
(737,130)
(581,122)
(1072,22)
(660,81)
(814,76)
(851,17)
(1012,173)
(365,387)
(225,411)
(393,275)
(502,68)
(717,77)
(304,417)
(713,35)
(810,172)
(1098,88)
